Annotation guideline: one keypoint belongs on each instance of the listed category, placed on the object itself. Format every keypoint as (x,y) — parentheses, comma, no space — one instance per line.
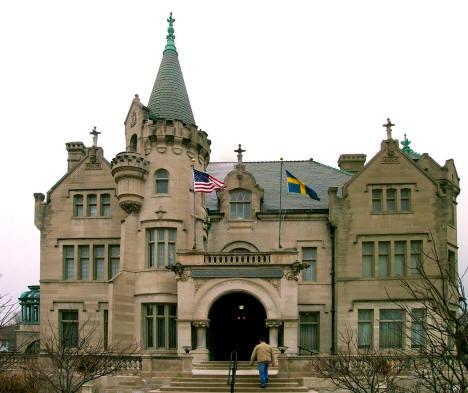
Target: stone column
(273,325)
(201,352)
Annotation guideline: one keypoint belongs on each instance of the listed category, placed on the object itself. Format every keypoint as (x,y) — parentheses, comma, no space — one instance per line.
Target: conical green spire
(170,36)
(169,98)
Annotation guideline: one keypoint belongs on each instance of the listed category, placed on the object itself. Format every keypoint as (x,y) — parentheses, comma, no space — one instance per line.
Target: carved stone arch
(240,244)
(259,289)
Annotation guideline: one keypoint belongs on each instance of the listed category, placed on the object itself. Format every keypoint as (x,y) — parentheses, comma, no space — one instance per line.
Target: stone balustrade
(226,258)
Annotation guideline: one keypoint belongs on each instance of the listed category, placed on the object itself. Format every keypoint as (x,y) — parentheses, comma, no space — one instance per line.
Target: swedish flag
(295,185)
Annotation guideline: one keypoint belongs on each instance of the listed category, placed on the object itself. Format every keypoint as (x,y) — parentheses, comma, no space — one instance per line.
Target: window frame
(418,322)
(161,179)
(169,318)
(399,325)
(104,205)
(377,200)
(384,256)
(371,256)
(66,261)
(97,258)
(78,206)
(83,260)
(90,205)
(315,324)
(366,322)
(153,244)
(416,257)
(242,206)
(312,262)
(73,323)
(112,259)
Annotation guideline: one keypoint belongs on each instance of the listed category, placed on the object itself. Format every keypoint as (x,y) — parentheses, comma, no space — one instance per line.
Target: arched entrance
(237,321)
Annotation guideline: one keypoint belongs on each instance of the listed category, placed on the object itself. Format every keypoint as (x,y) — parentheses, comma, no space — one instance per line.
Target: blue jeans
(263,371)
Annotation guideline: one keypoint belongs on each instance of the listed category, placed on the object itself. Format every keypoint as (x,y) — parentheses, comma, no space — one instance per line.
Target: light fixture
(241,307)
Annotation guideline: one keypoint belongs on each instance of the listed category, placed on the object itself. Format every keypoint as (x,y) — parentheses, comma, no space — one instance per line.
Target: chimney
(76,151)
(352,163)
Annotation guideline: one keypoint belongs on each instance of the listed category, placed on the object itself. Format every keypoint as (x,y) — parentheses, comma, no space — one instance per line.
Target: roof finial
(239,152)
(95,134)
(170,45)
(388,126)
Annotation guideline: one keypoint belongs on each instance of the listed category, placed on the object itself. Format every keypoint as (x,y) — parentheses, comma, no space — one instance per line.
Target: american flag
(203,182)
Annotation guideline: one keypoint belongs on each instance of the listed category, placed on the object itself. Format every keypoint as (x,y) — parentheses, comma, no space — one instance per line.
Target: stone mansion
(127,244)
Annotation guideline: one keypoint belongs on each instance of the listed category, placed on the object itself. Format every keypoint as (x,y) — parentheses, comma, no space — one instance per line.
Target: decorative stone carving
(198,284)
(160,212)
(273,323)
(296,268)
(205,323)
(133,119)
(275,284)
(179,270)
(130,207)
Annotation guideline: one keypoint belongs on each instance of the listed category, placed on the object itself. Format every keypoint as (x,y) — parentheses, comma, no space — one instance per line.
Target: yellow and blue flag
(295,185)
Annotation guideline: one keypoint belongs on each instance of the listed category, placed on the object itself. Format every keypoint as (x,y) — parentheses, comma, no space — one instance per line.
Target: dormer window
(240,204)
(162,181)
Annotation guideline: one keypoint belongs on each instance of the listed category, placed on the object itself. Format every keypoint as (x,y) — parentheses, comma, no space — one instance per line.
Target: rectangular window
(418,317)
(452,266)
(106,329)
(384,259)
(400,258)
(68,262)
(114,260)
(92,205)
(309,323)
(365,328)
(391,200)
(161,246)
(160,326)
(98,262)
(83,255)
(367,259)
(391,329)
(405,195)
(309,256)
(78,205)
(416,256)
(69,328)
(105,205)
(377,201)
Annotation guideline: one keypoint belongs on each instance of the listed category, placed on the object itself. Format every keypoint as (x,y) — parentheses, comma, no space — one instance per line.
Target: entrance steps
(222,368)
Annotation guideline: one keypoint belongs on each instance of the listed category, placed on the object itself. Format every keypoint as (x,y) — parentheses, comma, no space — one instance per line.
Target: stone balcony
(226,258)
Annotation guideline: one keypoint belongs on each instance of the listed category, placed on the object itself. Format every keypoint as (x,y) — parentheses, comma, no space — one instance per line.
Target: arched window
(133,143)
(240,204)
(162,181)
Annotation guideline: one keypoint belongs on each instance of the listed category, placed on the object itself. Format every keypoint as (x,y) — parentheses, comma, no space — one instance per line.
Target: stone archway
(237,321)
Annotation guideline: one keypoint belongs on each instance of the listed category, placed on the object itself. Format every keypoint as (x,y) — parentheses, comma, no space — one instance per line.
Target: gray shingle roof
(317,176)
(169,98)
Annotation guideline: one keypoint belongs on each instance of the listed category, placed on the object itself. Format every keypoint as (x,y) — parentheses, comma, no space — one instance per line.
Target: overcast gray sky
(292,79)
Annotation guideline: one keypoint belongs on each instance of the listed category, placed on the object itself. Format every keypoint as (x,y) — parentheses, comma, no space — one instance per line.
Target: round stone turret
(130,171)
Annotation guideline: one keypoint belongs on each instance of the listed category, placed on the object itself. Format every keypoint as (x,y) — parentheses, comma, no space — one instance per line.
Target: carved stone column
(201,353)
(273,325)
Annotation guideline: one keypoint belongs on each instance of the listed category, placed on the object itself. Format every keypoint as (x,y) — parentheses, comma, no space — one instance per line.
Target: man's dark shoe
(262,386)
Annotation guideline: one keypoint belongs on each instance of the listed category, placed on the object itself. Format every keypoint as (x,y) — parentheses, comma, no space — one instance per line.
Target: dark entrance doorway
(237,321)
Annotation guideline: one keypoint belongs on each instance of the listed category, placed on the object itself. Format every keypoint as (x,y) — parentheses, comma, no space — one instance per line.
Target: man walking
(265,355)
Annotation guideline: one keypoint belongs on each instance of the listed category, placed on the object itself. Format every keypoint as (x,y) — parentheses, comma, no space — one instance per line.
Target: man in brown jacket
(265,355)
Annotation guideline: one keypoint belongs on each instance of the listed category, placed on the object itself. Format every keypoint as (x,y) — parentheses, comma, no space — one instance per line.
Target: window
(105,205)
(365,328)
(400,258)
(160,326)
(309,330)
(133,143)
(309,256)
(78,205)
(161,246)
(391,329)
(377,201)
(162,181)
(98,262)
(68,262)
(106,329)
(240,204)
(92,205)
(368,259)
(418,317)
(83,252)
(384,259)
(405,195)
(114,260)
(391,200)
(69,328)
(452,266)
(416,257)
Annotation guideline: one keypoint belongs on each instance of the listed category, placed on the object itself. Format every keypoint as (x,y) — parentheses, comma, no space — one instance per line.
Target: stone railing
(226,258)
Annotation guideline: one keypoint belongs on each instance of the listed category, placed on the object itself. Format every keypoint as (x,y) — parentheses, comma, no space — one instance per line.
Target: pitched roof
(317,176)
(169,98)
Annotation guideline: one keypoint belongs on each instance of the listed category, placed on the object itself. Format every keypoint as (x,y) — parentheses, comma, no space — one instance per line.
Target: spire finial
(388,126)
(170,45)
(95,134)
(239,152)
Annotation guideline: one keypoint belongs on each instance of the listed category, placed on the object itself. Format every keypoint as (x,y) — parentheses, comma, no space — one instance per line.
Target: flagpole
(194,215)
(281,194)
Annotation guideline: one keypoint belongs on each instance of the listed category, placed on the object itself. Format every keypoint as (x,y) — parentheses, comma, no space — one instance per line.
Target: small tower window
(162,181)
(133,143)
(240,204)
